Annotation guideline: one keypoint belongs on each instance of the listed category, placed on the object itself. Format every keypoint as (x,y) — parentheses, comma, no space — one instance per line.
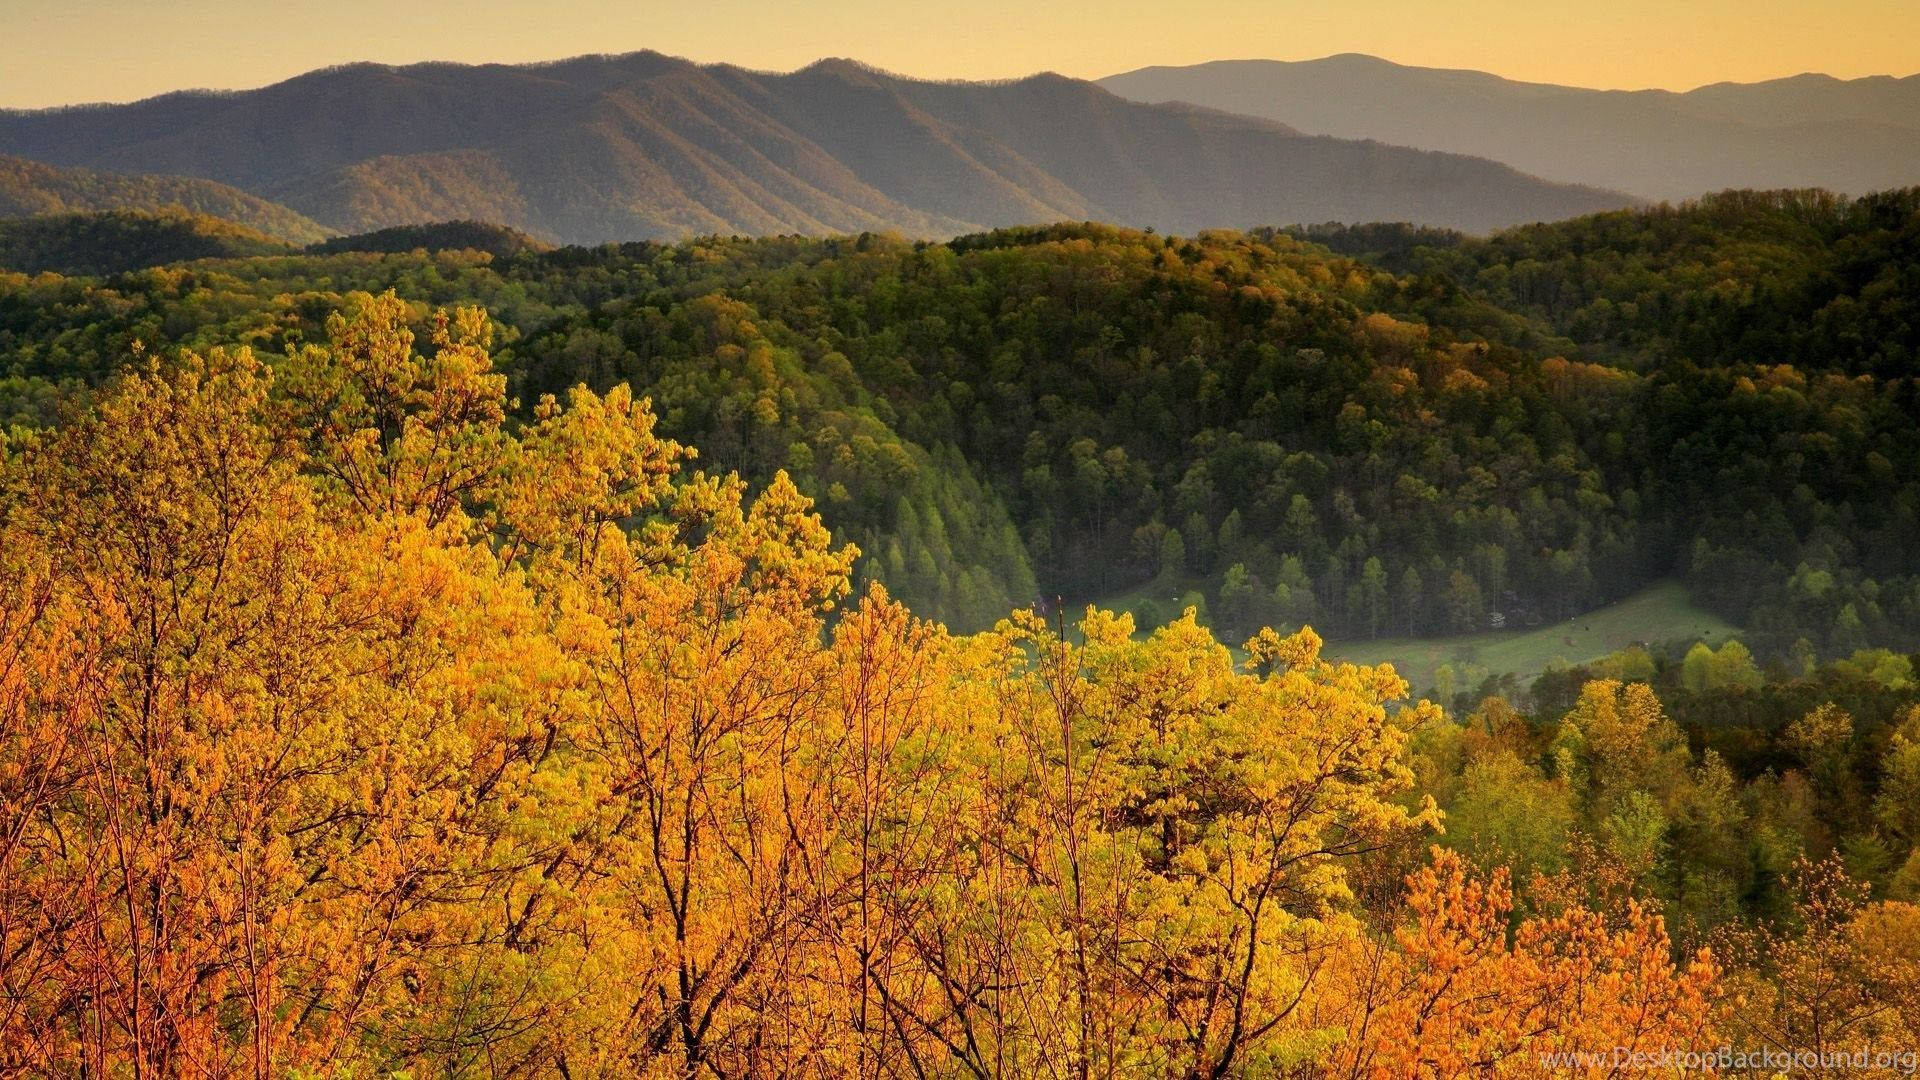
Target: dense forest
(357,722)
(1797,277)
(1752,313)
(1378,431)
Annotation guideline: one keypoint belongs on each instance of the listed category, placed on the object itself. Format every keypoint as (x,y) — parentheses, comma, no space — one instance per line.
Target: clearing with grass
(1658,615)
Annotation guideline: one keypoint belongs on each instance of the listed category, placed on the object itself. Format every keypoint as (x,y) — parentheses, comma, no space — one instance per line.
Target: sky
(66,51)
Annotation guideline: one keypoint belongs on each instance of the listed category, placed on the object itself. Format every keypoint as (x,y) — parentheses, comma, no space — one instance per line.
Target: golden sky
(63,51)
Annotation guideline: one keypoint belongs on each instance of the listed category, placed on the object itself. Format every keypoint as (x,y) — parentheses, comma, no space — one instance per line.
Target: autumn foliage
(349,729)
(1460,991)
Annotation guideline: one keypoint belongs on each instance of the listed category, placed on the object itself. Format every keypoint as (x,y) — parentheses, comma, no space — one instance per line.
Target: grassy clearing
(1655,615)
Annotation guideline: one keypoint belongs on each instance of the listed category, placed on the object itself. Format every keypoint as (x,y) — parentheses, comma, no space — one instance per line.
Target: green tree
(1293,599)
(1463,602)
(1508,815)
(1373,595)
(1240,596)
(1413,598)
(1173,556)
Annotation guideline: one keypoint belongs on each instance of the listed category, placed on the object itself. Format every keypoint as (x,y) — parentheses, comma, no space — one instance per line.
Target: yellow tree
(1459,993)
(1840,976)
(695,617)
(391,430)
(43,667)
(1152,870)
(296,730)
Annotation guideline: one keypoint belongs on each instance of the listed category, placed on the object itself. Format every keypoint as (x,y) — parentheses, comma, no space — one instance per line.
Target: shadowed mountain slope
(32,188)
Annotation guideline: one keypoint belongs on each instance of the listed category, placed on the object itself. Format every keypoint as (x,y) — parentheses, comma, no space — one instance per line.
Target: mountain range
(1852,136)
(643,145)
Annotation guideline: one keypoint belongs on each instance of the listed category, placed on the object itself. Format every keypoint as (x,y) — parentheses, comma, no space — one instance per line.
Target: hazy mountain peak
(842,67)
(1356,59)
(1807,130)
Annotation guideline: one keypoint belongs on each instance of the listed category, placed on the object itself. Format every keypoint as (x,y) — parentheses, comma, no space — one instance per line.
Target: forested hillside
(1077,411)
(1798,277)
(1762,311)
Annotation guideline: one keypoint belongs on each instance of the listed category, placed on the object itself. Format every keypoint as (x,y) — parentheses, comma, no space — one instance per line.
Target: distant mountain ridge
(1851,136)
(643,145)
(33,188)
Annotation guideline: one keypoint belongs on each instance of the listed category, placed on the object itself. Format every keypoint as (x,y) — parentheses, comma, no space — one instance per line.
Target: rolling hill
(496,240)
(111,241)
(640,146)
(1807,131)
(32,188)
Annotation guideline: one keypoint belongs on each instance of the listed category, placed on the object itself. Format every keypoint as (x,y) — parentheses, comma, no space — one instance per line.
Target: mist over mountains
(1851,136)
(637,146)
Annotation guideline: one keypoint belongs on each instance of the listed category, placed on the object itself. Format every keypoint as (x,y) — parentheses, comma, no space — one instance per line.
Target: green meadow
(1657,615)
